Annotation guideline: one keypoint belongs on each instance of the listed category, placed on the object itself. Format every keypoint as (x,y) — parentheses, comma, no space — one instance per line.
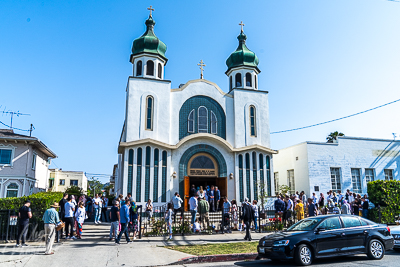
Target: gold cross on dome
(201,64)
(151,9)
(241,26)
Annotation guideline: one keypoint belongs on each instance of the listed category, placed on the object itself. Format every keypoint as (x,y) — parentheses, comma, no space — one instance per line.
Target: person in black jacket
(247,217)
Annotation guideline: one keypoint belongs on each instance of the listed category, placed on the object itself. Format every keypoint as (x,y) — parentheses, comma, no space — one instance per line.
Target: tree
(94,186)
(333,136)
(74,190)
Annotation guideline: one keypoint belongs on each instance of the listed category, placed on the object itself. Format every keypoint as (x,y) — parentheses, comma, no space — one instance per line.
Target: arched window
(164,177)
(191,122)
(238,80)
(150,68)
(12,190)
(213,123)
(155,184)
(203,120)
(159,70)
(130,170)
(241,192)
(139,175)
(147,174)
(149,113)
(248,188)
(248,79)
(255,81)
(230,83)
(253,121)
(139,68)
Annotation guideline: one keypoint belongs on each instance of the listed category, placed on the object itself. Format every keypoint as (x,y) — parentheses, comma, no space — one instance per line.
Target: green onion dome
(242,56)
(148,42)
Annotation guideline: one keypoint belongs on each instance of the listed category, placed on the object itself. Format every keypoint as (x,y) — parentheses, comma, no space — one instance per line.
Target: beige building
(60,180)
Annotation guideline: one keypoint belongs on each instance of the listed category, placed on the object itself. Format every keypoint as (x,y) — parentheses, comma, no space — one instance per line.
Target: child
(80,216)
(168,219)
(196,226)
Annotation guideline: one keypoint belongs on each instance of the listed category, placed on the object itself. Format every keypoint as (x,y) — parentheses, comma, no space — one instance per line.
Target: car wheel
(303,255)
(376,250)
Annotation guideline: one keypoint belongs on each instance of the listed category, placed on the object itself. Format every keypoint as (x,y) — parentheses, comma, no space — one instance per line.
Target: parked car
(327,236)
(396,235)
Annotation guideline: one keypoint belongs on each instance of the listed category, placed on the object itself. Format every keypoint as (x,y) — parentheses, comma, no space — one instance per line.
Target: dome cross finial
(241,26)
(151,9)
(201,64)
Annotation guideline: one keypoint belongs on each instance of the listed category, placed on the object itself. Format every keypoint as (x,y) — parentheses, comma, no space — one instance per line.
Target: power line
(345,117)
(14,127)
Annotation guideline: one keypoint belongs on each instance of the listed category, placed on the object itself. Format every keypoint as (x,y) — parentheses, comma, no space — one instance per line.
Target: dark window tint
(238,80)
(350,221)
(191,122)
(148,155)
(150,68)
(139,156)
(159,70)
(331,223)
(5,156)
(139,68)
(202,162)
(248,79)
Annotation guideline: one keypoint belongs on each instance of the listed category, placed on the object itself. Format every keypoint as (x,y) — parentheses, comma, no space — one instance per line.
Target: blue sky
(67,62)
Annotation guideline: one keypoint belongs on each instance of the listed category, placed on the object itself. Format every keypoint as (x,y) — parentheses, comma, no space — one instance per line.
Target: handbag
(60,226)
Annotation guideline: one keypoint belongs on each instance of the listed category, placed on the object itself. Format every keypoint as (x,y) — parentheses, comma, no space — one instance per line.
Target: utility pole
(31,129)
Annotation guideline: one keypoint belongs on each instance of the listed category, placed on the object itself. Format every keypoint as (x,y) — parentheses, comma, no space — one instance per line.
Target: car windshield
(304,225)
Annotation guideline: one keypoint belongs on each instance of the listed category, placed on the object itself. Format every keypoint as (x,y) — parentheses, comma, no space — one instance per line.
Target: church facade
(196,134)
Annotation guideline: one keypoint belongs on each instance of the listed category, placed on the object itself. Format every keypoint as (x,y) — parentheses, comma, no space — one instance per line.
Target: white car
(395,231)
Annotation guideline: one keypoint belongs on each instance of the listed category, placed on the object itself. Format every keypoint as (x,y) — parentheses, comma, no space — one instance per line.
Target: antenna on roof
(12,113)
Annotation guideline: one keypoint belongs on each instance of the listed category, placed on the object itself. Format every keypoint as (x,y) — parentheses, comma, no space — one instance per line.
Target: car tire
(376,250)
(303,255)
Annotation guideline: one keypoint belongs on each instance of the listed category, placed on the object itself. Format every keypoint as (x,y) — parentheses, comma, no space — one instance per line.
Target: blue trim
(198,149)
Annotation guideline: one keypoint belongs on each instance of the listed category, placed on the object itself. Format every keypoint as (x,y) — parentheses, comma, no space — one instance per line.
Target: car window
(364,222)
(304,225)
(350,221)
(331,224)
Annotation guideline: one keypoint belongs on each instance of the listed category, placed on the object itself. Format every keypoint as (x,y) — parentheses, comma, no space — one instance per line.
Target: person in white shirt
(97,209)
(80,216)
(197,227)
(193,207)
(69,209)
(177,202)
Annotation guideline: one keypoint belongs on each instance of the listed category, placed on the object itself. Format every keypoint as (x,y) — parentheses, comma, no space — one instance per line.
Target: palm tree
(333,136)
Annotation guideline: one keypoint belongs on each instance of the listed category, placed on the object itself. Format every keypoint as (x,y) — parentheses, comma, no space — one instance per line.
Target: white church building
(195,134)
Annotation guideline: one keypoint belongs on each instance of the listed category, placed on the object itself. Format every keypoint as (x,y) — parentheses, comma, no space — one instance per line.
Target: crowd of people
(334,203)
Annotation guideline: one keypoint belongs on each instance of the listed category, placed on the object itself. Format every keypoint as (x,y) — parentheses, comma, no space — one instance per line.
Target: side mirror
(320,229)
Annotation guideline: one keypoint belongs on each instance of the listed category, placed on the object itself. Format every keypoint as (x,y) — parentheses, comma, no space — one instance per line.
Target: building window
(150,68)
(276,180)
(5,156)
(335,179)
(213,123)
(73,182)
(255,81)
(139,68)
(253,121)
(261,164)
(203,120)
(33,161)
(356,180)
(238,80)
(130,170)
(191,122)
(230,83)
(388,174)
(290,179)
(149,113)
(248,189)
(255,184)
(369,175)
(12,190)
(241,192)
(164,177)
(139,175)
(159,70)
(268,169)
(147,174)
(62,181)
(248,79)
(155,186)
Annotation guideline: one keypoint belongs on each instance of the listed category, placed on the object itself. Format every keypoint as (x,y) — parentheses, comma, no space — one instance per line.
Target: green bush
(387,195)
(74,190)
(40,202)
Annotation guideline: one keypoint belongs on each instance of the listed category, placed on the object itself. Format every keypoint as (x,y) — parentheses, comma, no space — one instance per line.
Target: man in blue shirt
(211,199)
(279,206)
(193,208)
(217,195)
(124,220)
(177,201)
(51,219)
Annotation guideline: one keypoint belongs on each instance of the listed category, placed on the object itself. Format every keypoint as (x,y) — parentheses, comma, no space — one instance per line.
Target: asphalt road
(391,258)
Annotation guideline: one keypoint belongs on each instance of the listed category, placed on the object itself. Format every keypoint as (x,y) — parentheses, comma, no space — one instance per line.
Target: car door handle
(343,234)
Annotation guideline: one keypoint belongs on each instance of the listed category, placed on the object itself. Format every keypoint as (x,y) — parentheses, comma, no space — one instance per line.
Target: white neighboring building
(60,180)
(24,164)
(195,134)
(349,163)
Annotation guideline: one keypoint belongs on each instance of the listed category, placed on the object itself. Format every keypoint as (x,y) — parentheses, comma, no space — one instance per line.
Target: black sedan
(326,236)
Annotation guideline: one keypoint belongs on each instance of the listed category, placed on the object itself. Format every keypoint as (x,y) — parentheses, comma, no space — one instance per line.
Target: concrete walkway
(95,250)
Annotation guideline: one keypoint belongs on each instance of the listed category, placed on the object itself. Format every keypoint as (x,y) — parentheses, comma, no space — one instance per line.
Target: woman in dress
(235,216)
(299,210)
(80,216)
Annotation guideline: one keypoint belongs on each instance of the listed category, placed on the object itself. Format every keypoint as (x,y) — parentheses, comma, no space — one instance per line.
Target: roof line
(201,80)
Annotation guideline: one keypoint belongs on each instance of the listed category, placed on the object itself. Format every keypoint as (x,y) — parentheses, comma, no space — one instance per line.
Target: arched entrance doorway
(202,165)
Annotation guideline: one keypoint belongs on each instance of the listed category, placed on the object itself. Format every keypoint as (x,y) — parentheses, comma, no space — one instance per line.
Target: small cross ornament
(151,9)
(241,26)
(201,64)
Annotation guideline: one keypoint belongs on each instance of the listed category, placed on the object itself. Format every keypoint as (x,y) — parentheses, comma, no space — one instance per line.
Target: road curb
(216,258)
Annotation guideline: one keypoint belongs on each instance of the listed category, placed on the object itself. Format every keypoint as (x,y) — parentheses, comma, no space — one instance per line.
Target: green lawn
(214,249)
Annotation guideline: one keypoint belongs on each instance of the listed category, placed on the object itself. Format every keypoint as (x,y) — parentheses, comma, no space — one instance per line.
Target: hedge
(40,202)
(387,195)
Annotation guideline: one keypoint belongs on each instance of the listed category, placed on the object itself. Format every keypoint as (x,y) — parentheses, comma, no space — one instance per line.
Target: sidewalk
(95,250)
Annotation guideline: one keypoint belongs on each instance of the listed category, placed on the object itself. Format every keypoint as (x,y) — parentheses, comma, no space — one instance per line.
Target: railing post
(259,219)
(140,222)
